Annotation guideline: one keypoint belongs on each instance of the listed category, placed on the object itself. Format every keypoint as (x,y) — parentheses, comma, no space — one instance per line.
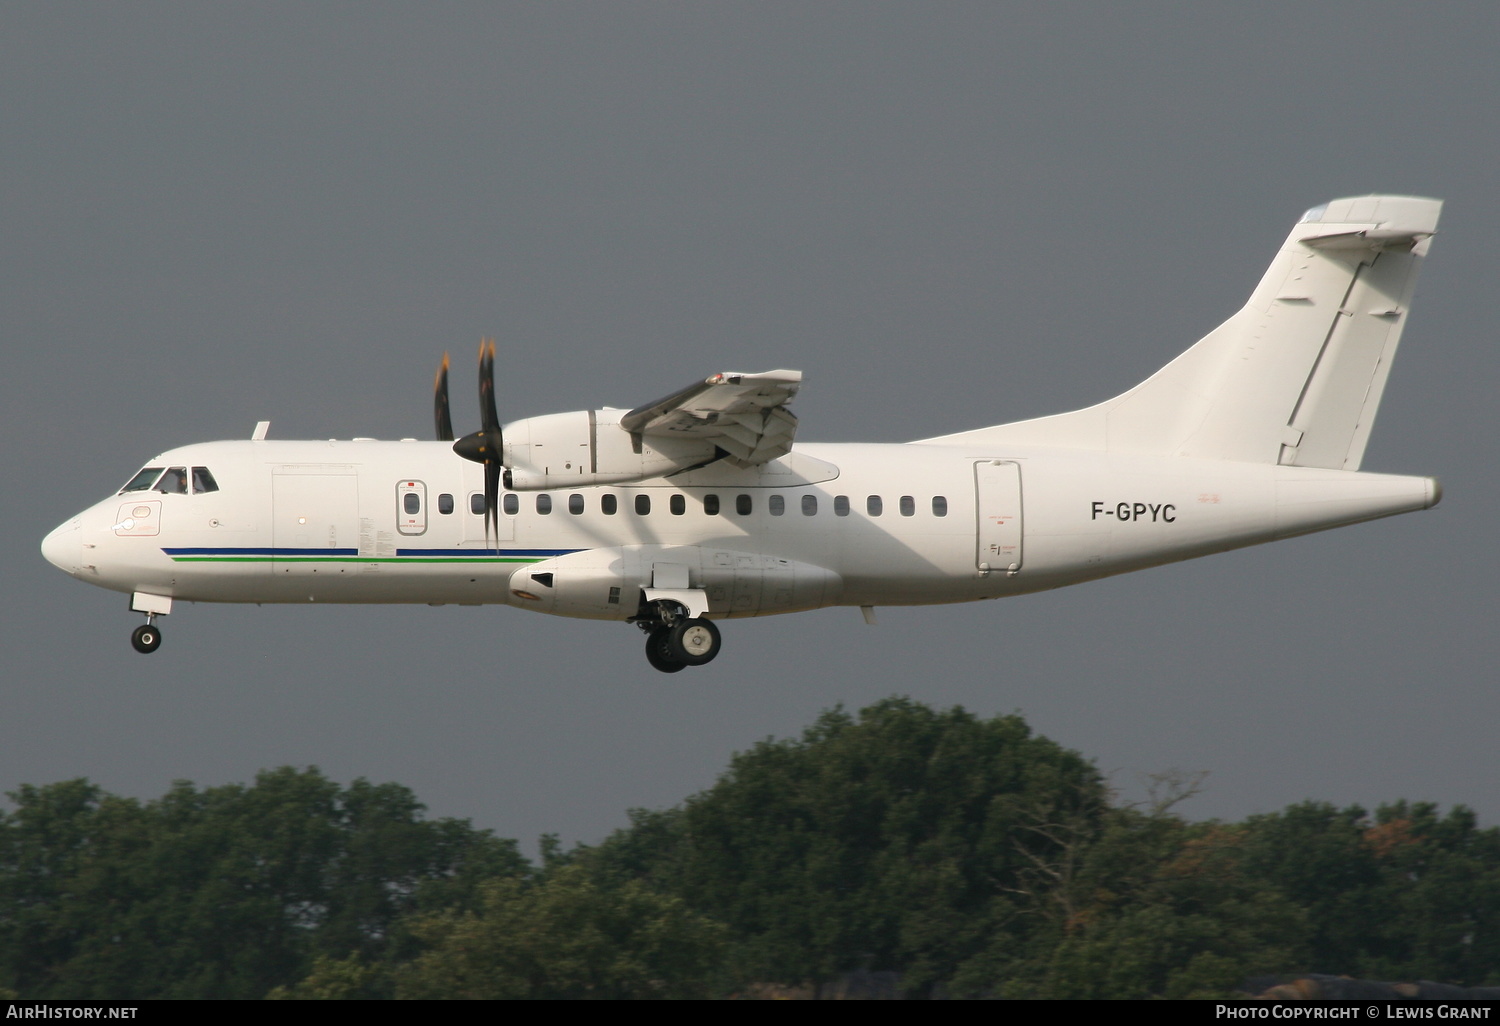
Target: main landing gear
(675,641)
(147,637)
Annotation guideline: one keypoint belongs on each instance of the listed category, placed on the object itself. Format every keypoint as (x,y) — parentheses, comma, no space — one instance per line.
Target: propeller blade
(440,403)
(492,501)
(489,418)
(487,445)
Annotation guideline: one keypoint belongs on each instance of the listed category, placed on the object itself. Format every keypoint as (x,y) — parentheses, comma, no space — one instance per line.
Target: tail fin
(1294,377)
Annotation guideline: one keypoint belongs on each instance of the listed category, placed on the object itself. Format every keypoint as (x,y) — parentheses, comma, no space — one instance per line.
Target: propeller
(487,445)
(440,403)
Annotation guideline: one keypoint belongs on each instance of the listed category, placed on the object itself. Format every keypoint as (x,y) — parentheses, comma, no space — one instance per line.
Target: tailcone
(1314,500)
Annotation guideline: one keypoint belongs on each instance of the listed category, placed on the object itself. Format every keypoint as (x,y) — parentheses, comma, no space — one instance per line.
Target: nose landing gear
(147,637)
(675,641)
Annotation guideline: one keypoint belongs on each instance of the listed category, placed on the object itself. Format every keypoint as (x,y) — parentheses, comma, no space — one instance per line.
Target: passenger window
(476,503)
(575,504)
(445,504)
(412,503)
(609,504)
(678,505)
(841,505)
(874,506)
(543,503)
(940,505)
(711,505)
(908,506)
(511,503)
(776,505)
(173,482)
(143,480)
(642,505)
(742,505)
(809,505)
(203,481)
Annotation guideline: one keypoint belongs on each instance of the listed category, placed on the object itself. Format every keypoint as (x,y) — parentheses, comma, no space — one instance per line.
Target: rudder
(1330,425)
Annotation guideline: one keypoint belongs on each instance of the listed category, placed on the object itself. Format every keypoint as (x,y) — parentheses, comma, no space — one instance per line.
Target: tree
(1409,894)
(566,935)
(224,892)
(875,842)
(1166,910)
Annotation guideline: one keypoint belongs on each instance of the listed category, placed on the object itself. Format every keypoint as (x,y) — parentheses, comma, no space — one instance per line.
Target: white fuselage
(334,522)
(702,505)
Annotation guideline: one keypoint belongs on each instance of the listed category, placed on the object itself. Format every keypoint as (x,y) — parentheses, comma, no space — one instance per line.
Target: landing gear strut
(675,641)
(147,637)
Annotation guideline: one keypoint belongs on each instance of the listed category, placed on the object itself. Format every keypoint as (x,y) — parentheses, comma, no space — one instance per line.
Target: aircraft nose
(63,546)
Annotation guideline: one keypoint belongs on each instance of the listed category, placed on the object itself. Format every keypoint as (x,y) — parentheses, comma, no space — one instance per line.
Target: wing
(743,414)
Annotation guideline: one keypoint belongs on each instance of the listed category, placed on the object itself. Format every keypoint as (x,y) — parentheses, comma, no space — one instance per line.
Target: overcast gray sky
(947,215)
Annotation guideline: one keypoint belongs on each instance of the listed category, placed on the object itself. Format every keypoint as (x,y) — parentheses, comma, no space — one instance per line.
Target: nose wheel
(146,638)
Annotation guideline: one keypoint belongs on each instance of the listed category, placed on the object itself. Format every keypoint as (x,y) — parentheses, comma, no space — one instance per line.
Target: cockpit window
(173,482)
(143,480)
(203,481)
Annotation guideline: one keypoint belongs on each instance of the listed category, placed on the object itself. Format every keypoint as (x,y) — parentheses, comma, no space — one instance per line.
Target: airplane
(698,508)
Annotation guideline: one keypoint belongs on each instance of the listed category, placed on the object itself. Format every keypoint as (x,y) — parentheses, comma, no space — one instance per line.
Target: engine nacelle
(589,447)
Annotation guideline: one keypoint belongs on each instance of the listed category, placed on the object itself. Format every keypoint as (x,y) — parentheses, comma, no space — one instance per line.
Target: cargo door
(314,521)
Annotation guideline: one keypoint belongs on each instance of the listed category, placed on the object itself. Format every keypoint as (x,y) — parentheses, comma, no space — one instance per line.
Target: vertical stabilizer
(1295,377)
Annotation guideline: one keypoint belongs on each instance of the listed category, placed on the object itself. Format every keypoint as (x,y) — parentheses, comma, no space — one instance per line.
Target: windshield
(143,480)
(173,482)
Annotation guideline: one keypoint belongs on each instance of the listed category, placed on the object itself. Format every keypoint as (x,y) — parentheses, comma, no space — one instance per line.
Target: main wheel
(658,653)
(146,638)
(693,642)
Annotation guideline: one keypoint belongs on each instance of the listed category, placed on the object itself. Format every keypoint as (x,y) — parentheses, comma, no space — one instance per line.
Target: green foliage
(566,935)
(342,979)
(965,855)
(224,892)
(968,855)
(878,841)
(1410,895)
(1165,909)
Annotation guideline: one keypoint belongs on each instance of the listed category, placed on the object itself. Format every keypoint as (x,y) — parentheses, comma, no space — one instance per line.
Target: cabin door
(997,492)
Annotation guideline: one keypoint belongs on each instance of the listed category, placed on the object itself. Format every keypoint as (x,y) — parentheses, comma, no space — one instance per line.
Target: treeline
(953,855)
